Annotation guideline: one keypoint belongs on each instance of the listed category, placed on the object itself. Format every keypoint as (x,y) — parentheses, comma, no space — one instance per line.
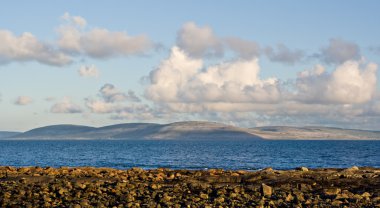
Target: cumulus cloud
(180,81)
(284,55)
(88,71)
(234,92)
(122,106)
(66,106)
(199,41)
(338,51)
(26,47)
(98,42)
(23,100)
(349,83)
(110,94)
(118,111)
(113,101)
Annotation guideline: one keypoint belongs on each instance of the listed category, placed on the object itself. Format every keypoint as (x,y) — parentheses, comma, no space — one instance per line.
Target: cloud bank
(234,91)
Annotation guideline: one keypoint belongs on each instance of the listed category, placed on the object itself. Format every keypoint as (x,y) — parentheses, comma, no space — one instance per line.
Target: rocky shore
(106,187)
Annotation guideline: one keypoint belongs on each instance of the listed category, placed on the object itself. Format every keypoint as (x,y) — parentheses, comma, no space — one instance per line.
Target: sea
(200,155)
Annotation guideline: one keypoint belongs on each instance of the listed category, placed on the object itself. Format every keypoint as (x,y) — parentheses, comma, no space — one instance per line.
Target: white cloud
(182,80)
(66,106)
(26,47)
(23,100)
(136,112)
(110,94)
(100,106)
(338,51)
(88,71)
(121,111)
(198,41)
(349,83)
(118,111)
(98,42)
(75,20)
(284,55)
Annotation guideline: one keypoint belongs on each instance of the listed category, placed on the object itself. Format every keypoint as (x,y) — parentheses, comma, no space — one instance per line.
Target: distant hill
(314,133)
(190,130)
(7,134)
(55,132)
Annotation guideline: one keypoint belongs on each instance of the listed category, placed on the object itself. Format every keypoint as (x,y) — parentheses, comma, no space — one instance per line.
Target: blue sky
(246,63)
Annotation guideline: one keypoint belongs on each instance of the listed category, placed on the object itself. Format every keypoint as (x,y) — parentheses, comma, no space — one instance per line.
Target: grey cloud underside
(338,51)
(200,41)
(284,55)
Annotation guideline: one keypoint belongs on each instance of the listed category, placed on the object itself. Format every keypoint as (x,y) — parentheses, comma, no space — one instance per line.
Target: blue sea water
(247,155)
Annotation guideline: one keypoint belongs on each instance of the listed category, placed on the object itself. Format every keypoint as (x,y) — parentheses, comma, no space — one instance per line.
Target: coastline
(107,187)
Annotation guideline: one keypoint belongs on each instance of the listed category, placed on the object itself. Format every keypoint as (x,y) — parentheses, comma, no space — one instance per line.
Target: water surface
(248,155)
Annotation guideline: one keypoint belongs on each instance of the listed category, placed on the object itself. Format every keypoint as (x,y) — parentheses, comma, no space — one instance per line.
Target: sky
(244,63)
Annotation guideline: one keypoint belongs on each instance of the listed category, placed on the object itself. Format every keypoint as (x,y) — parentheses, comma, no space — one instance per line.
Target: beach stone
(303,169)
(203,196)
(332,191)
(353,168)
(106,187)
(366,194)
(219,200)
(266,190)
(299,196)
(289,198)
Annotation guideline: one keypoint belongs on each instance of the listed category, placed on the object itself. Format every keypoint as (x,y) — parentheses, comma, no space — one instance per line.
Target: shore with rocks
(105,187)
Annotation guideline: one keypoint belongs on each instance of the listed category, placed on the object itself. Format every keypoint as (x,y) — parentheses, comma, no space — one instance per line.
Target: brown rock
(266,190)
(289,198)
(331,191)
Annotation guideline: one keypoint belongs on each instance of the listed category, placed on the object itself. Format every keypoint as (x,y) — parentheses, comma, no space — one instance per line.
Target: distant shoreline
(188,130)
